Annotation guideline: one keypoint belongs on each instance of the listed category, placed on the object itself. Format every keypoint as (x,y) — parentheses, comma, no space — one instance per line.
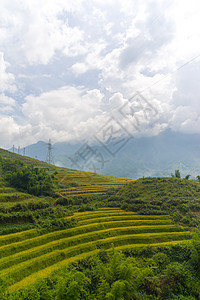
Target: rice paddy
(28,256)
(77,183)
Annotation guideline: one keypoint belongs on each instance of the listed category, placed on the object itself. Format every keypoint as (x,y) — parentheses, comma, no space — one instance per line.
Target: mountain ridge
(146,156)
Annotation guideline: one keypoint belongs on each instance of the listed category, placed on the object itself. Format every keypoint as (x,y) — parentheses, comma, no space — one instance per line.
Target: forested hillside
(162,195)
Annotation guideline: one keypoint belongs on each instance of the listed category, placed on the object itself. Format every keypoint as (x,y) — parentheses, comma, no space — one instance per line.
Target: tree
(198,178)
(177,174)
(195,250)
(187,177)
(72,286)
(122,277)
(29,179)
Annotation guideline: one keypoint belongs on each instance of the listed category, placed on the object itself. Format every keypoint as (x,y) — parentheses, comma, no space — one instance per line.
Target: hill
(80,216)
(77,190)
(147,156)
(54,192)
(70,181)
(161,195)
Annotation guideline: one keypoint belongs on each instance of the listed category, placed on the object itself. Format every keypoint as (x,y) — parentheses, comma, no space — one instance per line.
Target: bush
(30,179)
(49,224)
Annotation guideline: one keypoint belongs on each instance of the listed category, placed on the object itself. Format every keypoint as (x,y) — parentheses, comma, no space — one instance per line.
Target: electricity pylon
(49,158)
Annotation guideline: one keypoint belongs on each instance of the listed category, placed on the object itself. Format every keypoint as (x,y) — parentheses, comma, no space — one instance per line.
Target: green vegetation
(70,186)
(30,255)
(41,194)
(177,174)
(29,179)
(67,234)
(177,197)
(162,272)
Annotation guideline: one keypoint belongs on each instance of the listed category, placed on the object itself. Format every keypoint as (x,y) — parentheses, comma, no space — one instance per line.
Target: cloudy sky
(67,67)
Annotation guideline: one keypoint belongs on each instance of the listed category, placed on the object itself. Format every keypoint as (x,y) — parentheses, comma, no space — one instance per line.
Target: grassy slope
(16,208)
(162,188)
(71,182)
(177,197)
(146,196)
(27,256)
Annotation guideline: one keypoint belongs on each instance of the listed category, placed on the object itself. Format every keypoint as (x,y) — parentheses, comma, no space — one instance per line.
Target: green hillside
(73,190)
(55,192)
(53,218)
(69,182)
(162,195)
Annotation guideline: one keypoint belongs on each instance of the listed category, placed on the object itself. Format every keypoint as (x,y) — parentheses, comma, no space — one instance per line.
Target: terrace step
(28,256)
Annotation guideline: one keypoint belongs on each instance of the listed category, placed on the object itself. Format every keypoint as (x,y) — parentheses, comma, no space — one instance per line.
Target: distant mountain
(149,156)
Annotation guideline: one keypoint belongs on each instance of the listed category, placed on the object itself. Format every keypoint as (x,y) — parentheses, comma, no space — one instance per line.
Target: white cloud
(186,119)
(186,100)
(65,113)
(39,29)
(7,104)
(76,113)
(5,100)
(6,78)
(79,68)
(13,133)
(131,45)
(116,101)
(44,38)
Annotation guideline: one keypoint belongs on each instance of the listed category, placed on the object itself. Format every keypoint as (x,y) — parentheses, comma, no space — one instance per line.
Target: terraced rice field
(28,256)
(77,183)
(15,212)
(70,182)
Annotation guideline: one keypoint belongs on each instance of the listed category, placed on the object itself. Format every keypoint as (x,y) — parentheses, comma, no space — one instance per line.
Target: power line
(182,66)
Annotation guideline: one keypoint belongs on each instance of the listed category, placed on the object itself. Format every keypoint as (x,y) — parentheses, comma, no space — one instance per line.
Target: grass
(17,237)
(31,234)
(28,256)
(134,217)
(85,213)
(14,197)
(7,190)
(13,248)
(89,236)
(69,182)
(31,279)
(118,213)
(6,229)
(47,271)
(21,270)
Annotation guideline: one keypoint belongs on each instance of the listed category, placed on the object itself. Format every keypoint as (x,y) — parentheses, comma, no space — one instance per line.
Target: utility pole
(13,149)
(24,151)
(49,159)
(18,149)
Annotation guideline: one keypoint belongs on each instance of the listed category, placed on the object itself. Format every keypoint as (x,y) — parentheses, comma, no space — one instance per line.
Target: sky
(74,70)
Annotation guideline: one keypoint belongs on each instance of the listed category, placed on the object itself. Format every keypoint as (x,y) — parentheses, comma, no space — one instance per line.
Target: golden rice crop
(18,272)
(78,239)
(126,217)
(27,256)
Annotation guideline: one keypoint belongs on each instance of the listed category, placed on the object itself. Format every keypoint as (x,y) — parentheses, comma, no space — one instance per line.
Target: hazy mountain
(153,156)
